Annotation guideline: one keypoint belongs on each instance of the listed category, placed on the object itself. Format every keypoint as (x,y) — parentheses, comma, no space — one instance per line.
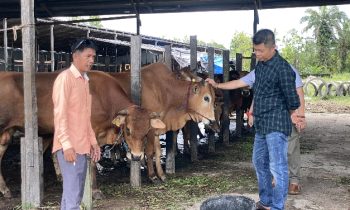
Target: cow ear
(157,123)
(195,89)
(119,120)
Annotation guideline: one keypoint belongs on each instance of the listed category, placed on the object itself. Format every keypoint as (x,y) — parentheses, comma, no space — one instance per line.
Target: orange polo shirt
(72,112)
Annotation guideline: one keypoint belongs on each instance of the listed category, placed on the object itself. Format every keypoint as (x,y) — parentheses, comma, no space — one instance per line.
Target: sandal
(259,206)
(294,189)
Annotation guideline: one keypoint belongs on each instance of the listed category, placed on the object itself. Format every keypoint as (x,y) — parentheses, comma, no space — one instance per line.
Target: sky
(215,26)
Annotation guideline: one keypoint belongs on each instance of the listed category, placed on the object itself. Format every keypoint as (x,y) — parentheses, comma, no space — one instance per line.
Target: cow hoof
(154,180)
(97,195)
(7,194)
(59,178)
(163,178)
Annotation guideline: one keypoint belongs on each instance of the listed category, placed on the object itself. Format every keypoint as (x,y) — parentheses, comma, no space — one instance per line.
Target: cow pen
(32,166)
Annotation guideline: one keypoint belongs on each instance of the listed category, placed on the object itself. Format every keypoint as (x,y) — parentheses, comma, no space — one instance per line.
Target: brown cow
(109,102)
(177,100)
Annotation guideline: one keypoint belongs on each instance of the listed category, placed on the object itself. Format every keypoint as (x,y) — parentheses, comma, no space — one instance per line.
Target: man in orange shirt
(74,138)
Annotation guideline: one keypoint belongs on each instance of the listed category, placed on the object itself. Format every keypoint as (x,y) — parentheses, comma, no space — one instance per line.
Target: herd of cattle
(168,99)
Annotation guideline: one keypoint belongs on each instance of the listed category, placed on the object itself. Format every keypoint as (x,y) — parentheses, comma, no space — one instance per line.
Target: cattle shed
(113,46)
(28,10)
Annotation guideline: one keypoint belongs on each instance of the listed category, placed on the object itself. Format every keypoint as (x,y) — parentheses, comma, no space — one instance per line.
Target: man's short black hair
(264,36)
(82,44)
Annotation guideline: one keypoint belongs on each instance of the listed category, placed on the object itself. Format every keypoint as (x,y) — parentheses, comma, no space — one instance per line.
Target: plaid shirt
(274,96)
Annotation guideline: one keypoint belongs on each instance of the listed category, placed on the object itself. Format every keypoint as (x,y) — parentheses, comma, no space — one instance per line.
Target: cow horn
(153,115)
(123,112)
(185,76)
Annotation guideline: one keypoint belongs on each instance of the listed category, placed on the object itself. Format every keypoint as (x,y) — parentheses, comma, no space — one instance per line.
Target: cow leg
(150,154)
(186,139)
(96,192)
(47,141)
(4,141)
(159,168)
(57,167)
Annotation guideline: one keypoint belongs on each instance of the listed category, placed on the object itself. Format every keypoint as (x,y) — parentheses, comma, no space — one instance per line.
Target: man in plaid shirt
(275,102)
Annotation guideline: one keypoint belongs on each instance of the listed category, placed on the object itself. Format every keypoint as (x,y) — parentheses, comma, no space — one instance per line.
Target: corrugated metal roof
(55,8)
(66,34)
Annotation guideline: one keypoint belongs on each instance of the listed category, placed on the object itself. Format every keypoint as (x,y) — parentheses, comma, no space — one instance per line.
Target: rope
(15,29)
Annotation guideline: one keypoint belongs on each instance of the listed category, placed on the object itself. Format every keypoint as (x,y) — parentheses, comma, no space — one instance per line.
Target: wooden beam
(225,115)
(193,125)
(52,40)
(135,55)
(6,55)
(211,135)
(57,22)
(31,145)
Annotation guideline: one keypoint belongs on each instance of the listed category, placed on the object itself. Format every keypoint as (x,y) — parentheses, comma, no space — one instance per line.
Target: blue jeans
(270,159)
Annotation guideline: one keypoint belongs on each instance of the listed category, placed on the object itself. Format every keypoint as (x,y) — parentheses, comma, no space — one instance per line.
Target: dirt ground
(325,147)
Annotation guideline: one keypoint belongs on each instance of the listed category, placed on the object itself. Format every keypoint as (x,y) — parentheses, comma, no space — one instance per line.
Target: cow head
(201,99)
(136,123)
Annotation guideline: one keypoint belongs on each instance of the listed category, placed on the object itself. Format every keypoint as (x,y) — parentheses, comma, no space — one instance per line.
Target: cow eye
(127,130)
(206,98)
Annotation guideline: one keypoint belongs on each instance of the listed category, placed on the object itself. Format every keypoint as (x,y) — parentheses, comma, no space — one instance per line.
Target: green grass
(338,77)
(338,100)
(180,191)
(215,174)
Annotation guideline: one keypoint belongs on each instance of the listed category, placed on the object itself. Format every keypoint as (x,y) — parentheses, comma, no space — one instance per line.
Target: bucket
(228,202)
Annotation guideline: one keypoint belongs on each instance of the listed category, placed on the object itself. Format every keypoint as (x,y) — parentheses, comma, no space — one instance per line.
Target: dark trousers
(73,181)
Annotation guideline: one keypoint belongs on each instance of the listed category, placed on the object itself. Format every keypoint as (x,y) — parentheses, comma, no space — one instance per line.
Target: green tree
(293,44)
(300,52)
(325,24)
(97,24)
(344,46)
(241,43)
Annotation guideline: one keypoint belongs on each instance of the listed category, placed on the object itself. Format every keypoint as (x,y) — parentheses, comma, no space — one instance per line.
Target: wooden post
(211,135)
(116,54)
(239,111)
(31,145)
(193,125)
(135,173)
(256,18)
(6,55)
(167,55)
(252,61)
(225,115)
(52,48)
(171,141)
(171,136)
(87,198)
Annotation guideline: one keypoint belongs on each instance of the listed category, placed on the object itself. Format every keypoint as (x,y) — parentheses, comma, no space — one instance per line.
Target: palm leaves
(326,25)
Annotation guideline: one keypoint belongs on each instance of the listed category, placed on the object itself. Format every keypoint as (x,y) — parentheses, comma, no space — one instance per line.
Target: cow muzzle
(214,126)
(135,157)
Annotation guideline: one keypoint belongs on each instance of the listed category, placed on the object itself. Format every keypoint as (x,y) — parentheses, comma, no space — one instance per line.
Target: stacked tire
(316,86)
